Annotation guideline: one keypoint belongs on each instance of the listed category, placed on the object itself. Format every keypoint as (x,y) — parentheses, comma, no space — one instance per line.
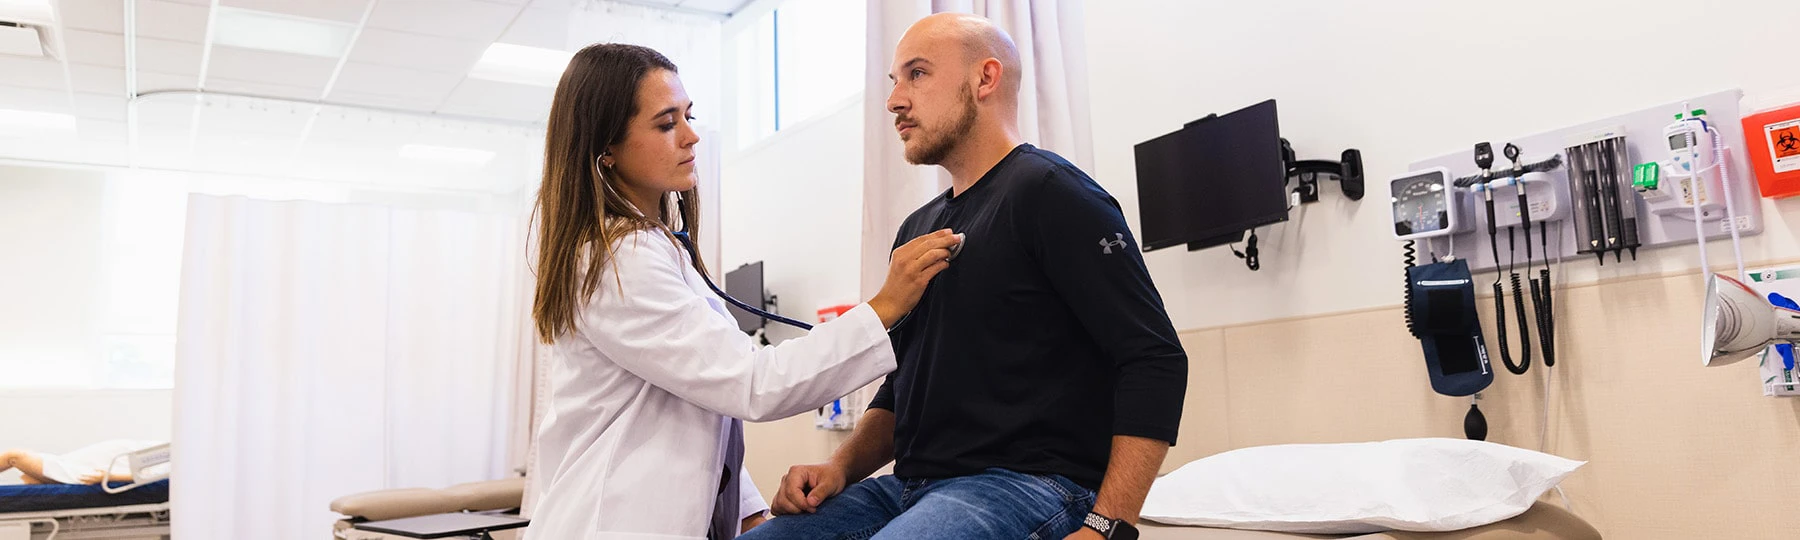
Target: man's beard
(937,144)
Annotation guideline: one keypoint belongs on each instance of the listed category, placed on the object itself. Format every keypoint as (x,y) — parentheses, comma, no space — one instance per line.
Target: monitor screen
(746,285)
(1212,180)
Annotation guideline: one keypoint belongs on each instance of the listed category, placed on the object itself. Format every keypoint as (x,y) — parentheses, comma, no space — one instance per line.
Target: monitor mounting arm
(1348,171)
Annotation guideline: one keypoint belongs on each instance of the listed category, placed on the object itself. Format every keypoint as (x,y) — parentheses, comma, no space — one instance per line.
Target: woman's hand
(752,521)
(910,270)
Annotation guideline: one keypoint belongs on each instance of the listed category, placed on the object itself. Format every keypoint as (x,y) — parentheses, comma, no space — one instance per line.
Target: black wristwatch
(1113,529)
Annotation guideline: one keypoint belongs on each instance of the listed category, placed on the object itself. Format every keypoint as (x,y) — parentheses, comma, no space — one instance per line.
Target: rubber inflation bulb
(1475,424)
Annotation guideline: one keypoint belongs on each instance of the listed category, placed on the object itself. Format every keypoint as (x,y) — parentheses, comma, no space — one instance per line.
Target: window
(92,278)
(797,62)
(819,57)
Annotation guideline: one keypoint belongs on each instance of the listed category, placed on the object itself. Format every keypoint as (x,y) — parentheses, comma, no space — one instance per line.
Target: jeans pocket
(1076,502)
(1069,491)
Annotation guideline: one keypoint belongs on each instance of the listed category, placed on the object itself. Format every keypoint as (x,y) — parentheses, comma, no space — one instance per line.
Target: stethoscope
(688,243)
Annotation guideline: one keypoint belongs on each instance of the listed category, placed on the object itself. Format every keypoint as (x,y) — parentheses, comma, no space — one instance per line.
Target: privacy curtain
(1053,106)
(330,349)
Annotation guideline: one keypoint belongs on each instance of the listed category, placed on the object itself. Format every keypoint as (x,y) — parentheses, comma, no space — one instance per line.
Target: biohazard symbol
(1787,142)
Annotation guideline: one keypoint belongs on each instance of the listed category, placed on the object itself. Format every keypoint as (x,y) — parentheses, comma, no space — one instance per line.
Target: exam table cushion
(402,503)
(1422,485)
(1542,522)
(49,497)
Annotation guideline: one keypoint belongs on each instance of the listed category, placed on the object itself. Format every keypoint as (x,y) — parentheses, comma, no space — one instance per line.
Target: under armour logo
(1106,246)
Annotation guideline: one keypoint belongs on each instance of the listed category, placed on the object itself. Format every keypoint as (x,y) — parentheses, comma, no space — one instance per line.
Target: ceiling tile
(56,148)
(417,51)
(164,56)
(166,114)
(34,99)
(231,117)
(173,21)
(518,102)
(262,89)
(349,11)
(101,107)
(270,68)
(116,153)
(95,48)
(423,86)
(722,7)
(33,72)
(97,15)
(463,19)
(539,27)
(381,101)
(151,81)
(97,79)
(92,129)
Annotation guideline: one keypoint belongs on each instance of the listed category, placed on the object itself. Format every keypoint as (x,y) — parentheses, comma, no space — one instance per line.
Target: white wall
(52,228)
(1402,80)
(792,201)
(51,233)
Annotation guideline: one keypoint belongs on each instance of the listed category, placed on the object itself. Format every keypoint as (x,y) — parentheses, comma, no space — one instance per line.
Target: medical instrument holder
(1643,144)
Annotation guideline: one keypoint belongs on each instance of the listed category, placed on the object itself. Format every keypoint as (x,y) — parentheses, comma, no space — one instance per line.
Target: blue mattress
(47,497)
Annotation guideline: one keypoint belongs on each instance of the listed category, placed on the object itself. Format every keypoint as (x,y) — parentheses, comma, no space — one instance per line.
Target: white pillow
(1425,485)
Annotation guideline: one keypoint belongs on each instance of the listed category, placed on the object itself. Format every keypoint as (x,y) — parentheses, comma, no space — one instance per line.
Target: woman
(651,370)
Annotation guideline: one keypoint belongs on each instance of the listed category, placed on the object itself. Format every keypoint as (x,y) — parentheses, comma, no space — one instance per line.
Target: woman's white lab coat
(632,445)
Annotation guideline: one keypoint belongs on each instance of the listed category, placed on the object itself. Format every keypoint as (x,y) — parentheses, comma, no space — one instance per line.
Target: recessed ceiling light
(505,62)
(426,152)
(17,123)
(265,31)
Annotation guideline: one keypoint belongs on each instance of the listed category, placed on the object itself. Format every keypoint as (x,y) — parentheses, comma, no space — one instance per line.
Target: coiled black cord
(1500,304)
(1410,255)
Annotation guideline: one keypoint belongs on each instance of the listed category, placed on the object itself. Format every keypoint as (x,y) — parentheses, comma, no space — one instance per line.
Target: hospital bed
(1541,522)
(116,510)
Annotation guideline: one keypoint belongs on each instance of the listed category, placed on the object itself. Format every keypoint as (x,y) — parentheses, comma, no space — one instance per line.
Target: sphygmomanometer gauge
(1425,204)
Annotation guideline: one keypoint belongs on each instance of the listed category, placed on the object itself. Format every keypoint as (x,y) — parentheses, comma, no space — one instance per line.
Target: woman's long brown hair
(581,210)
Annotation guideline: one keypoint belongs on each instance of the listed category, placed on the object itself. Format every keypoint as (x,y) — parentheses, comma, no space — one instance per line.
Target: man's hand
(1084,533)
(805,487)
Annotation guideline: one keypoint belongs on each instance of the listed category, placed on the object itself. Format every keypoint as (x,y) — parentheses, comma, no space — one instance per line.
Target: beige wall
(1675,450)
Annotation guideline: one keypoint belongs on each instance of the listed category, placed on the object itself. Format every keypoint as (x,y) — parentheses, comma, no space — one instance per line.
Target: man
(1039,378)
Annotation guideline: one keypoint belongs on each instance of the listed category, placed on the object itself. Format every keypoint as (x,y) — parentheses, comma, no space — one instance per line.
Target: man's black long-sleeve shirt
(1044,338)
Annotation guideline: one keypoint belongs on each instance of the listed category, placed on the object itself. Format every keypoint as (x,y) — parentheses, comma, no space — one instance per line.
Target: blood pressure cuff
(1443,313)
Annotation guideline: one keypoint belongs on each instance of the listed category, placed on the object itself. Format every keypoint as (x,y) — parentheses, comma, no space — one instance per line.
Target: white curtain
(1053,106)
(329,349)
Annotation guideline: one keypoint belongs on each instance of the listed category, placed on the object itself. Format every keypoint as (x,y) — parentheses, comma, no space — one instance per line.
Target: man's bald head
(974,40)
(956,86)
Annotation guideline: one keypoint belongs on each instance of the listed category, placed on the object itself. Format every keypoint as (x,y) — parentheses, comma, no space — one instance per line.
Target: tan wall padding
(1676,451)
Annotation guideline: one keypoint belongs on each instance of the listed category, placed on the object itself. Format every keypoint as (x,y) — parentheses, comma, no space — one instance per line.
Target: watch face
(1125,532)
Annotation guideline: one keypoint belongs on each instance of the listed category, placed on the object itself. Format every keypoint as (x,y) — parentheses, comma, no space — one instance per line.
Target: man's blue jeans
(997,504)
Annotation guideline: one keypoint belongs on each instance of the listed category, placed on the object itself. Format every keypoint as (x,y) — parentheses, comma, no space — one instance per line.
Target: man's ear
(991,72)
